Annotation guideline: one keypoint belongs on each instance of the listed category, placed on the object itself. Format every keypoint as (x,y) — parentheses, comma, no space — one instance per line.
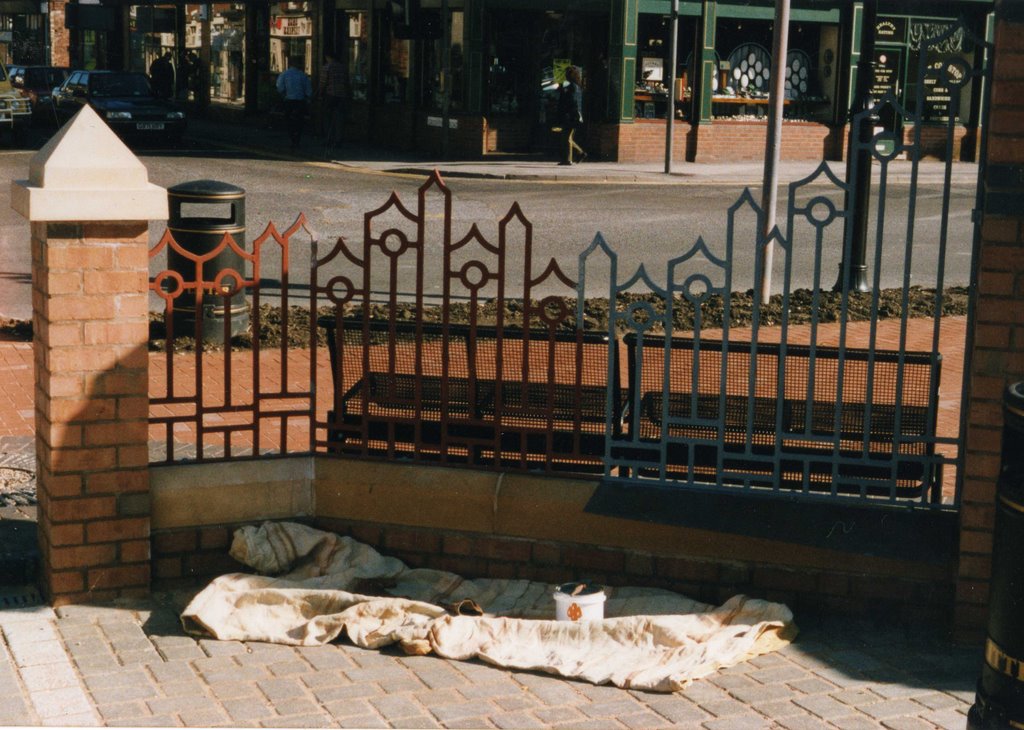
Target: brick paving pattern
(130,664)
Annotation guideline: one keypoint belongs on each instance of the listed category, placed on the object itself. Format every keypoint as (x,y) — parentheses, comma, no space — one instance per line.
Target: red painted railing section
(435,350)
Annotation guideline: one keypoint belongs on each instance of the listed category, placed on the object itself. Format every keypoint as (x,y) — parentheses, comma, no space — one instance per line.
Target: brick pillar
(90,202)
(998,326)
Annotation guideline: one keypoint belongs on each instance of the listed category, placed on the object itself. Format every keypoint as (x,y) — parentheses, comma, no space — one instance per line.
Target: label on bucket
(579,602)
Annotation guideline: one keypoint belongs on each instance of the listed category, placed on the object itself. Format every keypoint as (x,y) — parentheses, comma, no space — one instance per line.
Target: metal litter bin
(201,213)
(999,701)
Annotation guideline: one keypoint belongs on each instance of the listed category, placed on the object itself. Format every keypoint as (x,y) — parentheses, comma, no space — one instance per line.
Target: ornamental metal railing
(426,345)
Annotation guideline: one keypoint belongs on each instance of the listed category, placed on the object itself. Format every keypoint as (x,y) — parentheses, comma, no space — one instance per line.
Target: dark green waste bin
(1000,698)
(201,213)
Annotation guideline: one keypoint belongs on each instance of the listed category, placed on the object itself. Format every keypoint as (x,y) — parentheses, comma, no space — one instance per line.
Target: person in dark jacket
(570,107)
(161,75)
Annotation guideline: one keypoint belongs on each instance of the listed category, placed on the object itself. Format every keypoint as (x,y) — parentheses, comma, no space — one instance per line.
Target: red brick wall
(998,352)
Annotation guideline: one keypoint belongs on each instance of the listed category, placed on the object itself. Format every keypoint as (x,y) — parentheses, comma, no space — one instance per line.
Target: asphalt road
(644,224)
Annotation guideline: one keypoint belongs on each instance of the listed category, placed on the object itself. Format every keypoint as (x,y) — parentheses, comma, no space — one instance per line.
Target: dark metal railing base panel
(917,535)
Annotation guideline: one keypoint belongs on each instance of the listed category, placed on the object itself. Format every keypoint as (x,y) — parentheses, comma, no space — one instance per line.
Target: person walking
(333,94)
(296,88)
(570,107)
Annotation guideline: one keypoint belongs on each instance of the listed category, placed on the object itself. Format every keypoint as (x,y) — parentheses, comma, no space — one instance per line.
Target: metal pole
(446,69)
(776,104)
(860,139)
(670,112)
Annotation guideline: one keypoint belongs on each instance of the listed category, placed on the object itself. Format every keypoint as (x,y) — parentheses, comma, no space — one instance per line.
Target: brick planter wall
(194,556)
(897,599)
(724,141)
(185,556)
(721,141)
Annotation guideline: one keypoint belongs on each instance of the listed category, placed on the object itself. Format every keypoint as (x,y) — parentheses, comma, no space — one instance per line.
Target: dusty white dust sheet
(327,585)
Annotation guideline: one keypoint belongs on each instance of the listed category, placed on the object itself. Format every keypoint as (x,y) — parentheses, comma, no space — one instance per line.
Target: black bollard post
(999,702)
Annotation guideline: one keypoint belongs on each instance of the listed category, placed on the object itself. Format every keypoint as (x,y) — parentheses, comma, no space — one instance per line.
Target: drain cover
(17,487)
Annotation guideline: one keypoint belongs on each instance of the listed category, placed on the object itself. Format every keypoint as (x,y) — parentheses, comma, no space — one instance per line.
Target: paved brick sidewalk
(131,665)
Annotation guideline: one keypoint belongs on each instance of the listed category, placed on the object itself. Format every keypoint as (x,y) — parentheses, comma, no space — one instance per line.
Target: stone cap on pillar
(86,173)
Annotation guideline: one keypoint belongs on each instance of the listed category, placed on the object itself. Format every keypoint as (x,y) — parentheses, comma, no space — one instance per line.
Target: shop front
(724,66)
(722,75)
(898,58)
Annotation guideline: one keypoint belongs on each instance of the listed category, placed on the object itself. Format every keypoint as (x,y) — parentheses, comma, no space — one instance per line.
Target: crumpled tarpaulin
(651,639)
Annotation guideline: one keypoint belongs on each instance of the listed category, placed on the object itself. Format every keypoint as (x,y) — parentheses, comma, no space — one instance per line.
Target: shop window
(650,95)
(151,34)
(357,53)
(749,70)
(94,49)
(227,53)
(746,71)
(291,35)
(28,39)
(508,80)
(394,59)
(433,65)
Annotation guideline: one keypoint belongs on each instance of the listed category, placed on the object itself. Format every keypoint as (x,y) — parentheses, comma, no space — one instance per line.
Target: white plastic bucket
(586,605)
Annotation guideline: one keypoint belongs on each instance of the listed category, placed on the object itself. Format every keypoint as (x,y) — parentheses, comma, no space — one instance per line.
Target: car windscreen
(119,85)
